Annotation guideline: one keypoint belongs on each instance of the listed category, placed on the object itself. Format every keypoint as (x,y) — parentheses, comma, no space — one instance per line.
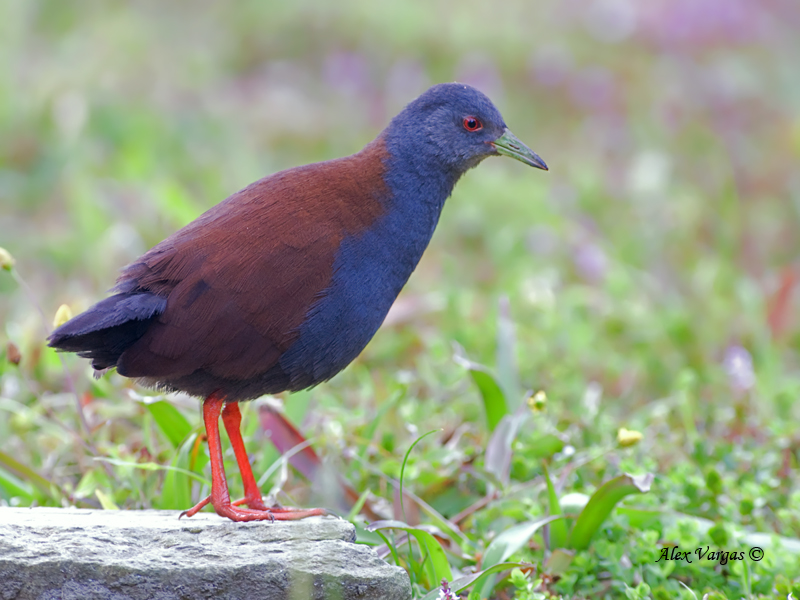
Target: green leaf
(558,530)
(494,400)
(544,445)
(433,555)
(170,421)
(506,544)
(403,467)
(602,503)
(176,493)
(106,501)
(359,504)
(27,474)
(13,487)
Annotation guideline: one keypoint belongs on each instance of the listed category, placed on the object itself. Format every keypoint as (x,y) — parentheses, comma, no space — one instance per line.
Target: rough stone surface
(76,554)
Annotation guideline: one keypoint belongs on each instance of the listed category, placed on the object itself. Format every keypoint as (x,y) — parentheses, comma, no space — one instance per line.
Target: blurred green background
(644,282)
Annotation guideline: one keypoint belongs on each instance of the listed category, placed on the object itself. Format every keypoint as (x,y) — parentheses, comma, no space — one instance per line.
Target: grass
(645,283)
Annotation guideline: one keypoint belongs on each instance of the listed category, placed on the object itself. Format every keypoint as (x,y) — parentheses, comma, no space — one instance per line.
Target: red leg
(232,419)
(212,407)
(220,498)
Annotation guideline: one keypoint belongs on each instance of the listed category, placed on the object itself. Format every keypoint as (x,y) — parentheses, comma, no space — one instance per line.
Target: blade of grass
(690,590)
(170,421)
(106,501)
(391,548)
(494,399)
(176,493)
(358,505)
(403,467)
(439,520)
(13,487)
(558,530)
(602,503)
(434,557)
(506,544)
(27,474)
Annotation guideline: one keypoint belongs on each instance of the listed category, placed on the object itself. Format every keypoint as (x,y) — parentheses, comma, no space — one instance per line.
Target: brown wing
(240,279)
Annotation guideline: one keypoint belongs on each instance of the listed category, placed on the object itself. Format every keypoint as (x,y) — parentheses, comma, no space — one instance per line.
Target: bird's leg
(212,407)
(220,498)
(232,419)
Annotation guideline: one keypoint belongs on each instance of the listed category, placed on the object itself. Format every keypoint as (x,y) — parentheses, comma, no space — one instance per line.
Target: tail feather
(110,327)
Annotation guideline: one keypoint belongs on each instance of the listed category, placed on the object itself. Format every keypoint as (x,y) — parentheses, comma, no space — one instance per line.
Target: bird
(281,285)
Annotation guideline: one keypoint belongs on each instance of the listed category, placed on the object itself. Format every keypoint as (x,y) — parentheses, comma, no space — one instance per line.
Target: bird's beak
(508,145)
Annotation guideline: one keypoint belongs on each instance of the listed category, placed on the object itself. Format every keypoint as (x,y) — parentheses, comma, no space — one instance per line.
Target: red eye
(472,124)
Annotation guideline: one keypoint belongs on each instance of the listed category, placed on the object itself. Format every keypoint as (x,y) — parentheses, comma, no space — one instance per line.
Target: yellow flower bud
(538,402)
(6,260)
(628,437)
(63,314)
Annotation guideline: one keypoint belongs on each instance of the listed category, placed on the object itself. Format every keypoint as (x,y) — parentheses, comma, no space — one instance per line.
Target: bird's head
(456,126)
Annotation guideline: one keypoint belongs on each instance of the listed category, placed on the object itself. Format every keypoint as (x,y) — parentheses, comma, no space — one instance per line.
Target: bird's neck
(417,183)
(416,190)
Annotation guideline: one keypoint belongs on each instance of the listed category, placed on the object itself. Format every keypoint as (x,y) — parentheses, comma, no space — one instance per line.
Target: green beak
(508,145)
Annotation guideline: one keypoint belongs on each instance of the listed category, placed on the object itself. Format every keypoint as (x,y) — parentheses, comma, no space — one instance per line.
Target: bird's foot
(254,503)
(195,509)
(257,511)
(270,514)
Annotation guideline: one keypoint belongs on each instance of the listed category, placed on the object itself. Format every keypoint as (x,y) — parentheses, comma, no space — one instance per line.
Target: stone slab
(78,554)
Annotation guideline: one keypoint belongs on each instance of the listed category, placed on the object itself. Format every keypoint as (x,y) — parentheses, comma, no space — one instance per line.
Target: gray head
(456,126)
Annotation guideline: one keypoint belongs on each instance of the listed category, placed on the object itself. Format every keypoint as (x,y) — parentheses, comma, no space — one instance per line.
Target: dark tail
(110,327)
